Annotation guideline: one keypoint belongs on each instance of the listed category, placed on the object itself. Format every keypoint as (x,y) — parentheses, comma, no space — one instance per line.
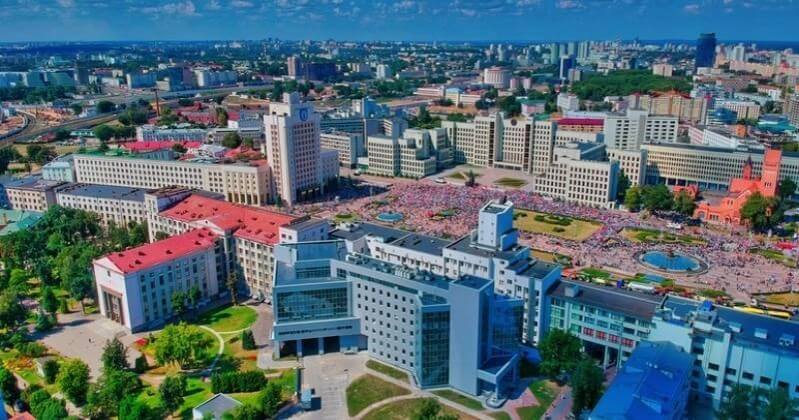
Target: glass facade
(312,304)
(433,368)
(506,325)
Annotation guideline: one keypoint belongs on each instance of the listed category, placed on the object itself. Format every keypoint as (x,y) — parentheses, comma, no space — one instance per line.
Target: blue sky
(43,20)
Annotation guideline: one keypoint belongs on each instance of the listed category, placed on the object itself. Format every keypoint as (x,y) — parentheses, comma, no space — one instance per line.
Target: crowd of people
(450,211)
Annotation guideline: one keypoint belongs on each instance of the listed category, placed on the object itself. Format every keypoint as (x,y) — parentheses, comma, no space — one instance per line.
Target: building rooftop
(155,253)
(251,223)
(635,304)
(216,406)
(649,384)
(538,269)
(33,182)
(15,220)
(422,243)
(359,230)
(581,121)
(104,191)
(464,244)
(150,146)
(473,282)
(758,330)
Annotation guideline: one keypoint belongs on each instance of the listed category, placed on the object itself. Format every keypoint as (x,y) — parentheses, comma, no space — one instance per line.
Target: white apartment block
(746,110)
(114,204)
(348,145)
(630,130)
(135,287)
(32,193)
(241,182)
(149,132)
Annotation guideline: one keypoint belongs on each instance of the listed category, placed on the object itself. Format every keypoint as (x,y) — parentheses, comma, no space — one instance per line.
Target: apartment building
(135,287)
(444,332)
(350,146)
(671,104)
(745,110)
(150,132)
(32,193)
(114,204)
(240,182)
(630,130)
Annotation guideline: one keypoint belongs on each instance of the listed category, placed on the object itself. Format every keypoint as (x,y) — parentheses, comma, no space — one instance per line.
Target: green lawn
(459,398)
(368,390)
(787,299)
(406,410)
(651,236)
(596,273)
(387,370)
(510,182)
(500,415)
(545,391)
(345,217)
(554,225)
(230,318)
(774,255)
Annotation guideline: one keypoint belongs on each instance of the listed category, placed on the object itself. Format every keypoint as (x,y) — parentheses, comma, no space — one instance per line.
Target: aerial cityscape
(405,210)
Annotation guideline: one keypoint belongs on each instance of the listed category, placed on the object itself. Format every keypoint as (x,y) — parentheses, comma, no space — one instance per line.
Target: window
(747,375)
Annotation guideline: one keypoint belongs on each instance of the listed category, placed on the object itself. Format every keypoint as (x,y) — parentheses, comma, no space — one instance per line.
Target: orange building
(728,210)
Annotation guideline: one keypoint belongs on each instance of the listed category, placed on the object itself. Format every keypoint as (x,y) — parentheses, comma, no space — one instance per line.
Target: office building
(140,80)
(415,155)
(567,63)
(705,51)
(61,168)
(632,163)
(239,182)
(744,110)
(349,146)
(628,131)
(32,193)
(662,69)
(671,104)
(579,174)
(113,204)
(210,78)
(384,72)
(135,286)
(791,109)
(654,384)
(730,347)
(497,77)
(150,132)
(293,150)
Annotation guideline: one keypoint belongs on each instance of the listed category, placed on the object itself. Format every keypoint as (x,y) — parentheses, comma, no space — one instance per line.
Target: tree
(132,408)
(247,340)
(7,155)
(194,295)
(684,203)
(249,143)
(431,410)
(181,343)
(622,185)
(737,404)
(657,197)
(104,132)
(8,385)
(779,405)
(178,303)
(18,281)
(77,109)
(232,285)
(245,412)
(760,212)
(786,189)
(586,383)
(104,397)
(62,135)
(12,313)
(510,106)
(560,352)
(73,380)
(231,140)
(48,300)
(50,370)
(172,391)
(269,399)
(221,117)
(115,355)
(105,107)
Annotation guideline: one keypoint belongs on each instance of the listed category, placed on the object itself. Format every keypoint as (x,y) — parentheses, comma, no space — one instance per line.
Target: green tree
(115,355)
(172,391)
(12,313)
(8,385)
(105,107)
(431,410)
(7,155)
(132,408)
(586,383)
(560,352)
(632,199)
(194,295)
(622,185)
(50,370)
(684,203)
(657,197)
(247,340)
(760,212)
(737,405)
(232,283)
(48,300)
(62,135)
(510,106)
(104,132)
(245,412)
(231,140)
(181,343)
(221,117)
(104,397)
(179,148)
(77,109)
(73,380)
(269,399)
(18,281)
(179,303)
(779,405)
(786,189)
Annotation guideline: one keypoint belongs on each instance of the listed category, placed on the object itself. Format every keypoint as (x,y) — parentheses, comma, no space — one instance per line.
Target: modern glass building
(444,332)
(705,50)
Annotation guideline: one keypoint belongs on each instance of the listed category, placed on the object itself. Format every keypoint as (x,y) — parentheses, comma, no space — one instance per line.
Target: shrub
(237,382)
(32,349)
(63,306)
(247,340)
(50,370)
(558,229)
(140,365)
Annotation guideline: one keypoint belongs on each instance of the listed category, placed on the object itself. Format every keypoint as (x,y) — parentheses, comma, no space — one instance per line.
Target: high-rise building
(791,109)
(705,50)
(293,149)
(294,65)
(566,64)
(554,53)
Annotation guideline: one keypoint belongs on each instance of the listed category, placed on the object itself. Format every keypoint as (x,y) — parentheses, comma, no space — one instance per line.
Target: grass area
(463,175)
(712,293)
(787,299)
(545,391)
(554,225)
(774,255)
(653,236)
(387,370)
(561,259)
(368,390)
(230,318)
(25,367)
(500,415)
(345,217)
(510,182)
(596,273)
(459,398)
(408,409)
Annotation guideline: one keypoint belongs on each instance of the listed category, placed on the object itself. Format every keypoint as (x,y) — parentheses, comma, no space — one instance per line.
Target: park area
(654,236)
(563,227)
(786,299)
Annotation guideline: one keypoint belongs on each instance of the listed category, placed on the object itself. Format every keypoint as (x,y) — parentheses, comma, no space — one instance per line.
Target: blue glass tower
(705,50)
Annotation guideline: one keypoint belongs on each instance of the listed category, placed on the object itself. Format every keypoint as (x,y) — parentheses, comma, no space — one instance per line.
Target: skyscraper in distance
(705,50)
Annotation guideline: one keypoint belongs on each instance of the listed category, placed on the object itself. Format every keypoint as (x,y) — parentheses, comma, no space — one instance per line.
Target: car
(440,180)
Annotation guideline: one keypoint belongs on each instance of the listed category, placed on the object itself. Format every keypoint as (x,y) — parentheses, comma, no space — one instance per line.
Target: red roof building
(586,125)
(160,252)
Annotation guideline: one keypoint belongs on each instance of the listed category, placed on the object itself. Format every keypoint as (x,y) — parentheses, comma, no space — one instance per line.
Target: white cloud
(241,4)
(213,5)
(692,8)
(66,3)
(184,8)
(569,4)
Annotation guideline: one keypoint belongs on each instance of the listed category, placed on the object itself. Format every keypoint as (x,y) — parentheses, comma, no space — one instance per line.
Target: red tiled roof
(149,146)
(581,121)
(152,254)
(252,223)
(22,416)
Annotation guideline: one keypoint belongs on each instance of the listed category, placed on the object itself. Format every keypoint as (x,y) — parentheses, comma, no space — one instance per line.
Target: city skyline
(455,20)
